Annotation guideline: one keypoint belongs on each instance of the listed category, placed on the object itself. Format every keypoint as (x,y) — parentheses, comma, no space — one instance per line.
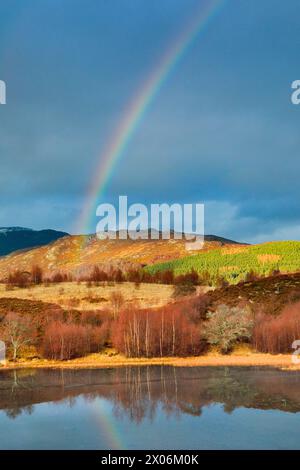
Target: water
(150,408)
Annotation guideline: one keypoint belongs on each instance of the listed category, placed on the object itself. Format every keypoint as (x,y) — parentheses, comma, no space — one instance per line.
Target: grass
(79,296)
(240,358)
(233,263)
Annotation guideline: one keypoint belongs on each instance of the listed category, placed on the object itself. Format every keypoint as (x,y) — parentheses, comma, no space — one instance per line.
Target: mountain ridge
(17,238)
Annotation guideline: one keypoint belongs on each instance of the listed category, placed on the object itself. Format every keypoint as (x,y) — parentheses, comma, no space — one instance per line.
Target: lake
(150,408)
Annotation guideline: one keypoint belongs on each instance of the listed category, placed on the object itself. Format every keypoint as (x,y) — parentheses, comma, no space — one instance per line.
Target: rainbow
(117,145)
(138,107)
(113,438)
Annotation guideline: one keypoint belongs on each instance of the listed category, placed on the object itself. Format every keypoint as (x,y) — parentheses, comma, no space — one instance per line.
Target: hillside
(234,262)
(78,254)
(270,294)
(19,238)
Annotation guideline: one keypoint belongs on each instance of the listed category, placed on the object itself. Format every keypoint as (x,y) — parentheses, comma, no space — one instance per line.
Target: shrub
(180,290)
(58,277)
(95,317)
(221,282)
(226,326)
(276,335)
(251,276)
(18,279)
(118,276)
(205,278)
(190,278)
(73,302)
(134,275)
(167,277)
(197,307)
(94,299)
(98,275)
(65,341)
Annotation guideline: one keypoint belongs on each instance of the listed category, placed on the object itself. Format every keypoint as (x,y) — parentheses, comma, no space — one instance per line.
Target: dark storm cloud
(221,131)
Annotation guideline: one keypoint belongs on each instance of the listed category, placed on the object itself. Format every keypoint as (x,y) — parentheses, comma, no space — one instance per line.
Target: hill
(19,238)
(79,254)
(270,294)
(234,262)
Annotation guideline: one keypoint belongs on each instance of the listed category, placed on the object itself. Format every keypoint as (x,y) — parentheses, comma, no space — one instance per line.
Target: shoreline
(99,361)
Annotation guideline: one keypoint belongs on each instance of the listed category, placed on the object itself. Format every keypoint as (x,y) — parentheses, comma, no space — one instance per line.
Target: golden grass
(225,269)
(232,250)
(268,258)
(240,358)
(79,296)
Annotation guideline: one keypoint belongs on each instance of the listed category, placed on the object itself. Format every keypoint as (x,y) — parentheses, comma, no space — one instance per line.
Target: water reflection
(138,392)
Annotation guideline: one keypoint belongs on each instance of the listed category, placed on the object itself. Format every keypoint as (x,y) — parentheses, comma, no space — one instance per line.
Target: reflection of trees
(261,389)
(19,381)
(141,392)
(144,390)
(14,412)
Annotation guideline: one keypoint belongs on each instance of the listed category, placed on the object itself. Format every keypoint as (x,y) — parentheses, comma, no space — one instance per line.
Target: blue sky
(221,131)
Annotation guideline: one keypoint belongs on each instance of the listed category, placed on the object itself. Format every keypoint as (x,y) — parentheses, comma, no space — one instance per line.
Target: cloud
(221,131)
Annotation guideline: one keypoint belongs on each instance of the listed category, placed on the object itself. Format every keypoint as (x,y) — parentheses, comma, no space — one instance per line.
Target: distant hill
(79,254)
(174,235)
(19,238)
(233,262)
(222,240)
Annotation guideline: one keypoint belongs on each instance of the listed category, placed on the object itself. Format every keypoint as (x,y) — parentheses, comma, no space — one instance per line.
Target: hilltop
(20,238)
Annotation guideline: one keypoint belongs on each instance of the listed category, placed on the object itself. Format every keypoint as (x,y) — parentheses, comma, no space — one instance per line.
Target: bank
(213,359)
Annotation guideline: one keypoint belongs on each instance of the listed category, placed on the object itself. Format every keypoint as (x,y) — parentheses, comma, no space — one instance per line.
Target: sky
(221,131)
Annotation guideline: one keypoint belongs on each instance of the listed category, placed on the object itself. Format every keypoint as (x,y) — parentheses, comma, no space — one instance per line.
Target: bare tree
(17,331)
(18,279)
(117,301)
(167,331)
(161,338)
(173,334)
(36,274)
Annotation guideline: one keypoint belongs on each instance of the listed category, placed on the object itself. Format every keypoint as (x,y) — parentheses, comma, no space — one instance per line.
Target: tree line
(184,328)
(36,276)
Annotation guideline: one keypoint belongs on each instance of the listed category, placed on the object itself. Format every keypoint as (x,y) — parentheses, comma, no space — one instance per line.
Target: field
(79,296)
(233,263)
